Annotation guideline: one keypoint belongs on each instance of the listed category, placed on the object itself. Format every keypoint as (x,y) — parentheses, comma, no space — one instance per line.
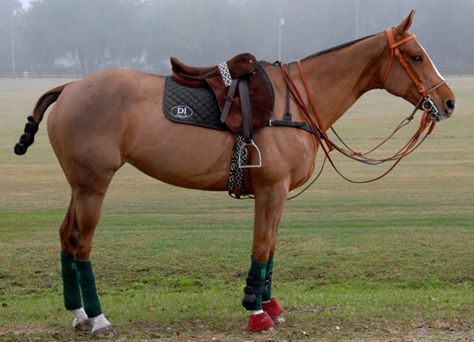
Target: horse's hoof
(259,322)
(278,320)
(85,325)
(104,332)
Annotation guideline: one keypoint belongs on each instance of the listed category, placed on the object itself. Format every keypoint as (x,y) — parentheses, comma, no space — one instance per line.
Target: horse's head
(410,73)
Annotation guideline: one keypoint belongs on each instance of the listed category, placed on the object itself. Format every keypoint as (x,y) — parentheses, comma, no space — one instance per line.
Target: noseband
(425,102)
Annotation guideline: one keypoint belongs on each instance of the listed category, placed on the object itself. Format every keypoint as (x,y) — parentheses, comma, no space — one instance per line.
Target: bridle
(425,103)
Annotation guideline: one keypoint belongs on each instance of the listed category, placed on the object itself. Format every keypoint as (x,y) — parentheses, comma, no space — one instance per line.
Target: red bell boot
(272,308)
(261,321)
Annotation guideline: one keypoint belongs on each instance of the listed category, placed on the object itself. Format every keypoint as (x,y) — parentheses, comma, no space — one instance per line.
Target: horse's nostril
(449,104)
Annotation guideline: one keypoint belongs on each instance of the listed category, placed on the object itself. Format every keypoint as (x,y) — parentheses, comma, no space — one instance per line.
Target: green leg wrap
(88,289)
(267,291)
(255,284)
(71,290)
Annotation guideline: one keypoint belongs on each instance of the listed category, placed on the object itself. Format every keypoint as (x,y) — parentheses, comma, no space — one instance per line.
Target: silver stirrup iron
(241,151)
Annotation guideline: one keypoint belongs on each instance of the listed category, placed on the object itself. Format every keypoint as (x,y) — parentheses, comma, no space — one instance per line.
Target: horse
(114,117)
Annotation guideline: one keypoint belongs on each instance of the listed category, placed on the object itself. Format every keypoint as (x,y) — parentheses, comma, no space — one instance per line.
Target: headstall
(425,103)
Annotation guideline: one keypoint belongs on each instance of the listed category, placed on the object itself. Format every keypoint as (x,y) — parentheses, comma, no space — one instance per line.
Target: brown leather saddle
(242,89)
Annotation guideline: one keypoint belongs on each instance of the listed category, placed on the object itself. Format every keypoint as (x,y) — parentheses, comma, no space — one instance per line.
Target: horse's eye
(417,58)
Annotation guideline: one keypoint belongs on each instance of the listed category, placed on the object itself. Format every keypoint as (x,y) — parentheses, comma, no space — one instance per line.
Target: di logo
(181,112)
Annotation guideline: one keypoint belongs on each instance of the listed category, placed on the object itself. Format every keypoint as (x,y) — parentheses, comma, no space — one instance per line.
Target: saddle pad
(192,106)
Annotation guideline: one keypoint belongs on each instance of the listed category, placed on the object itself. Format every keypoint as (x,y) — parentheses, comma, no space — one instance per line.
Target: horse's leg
(76,238)
(269,201)
(68,234)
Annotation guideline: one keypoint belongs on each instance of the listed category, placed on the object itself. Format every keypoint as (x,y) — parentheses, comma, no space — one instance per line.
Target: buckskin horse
(116,116)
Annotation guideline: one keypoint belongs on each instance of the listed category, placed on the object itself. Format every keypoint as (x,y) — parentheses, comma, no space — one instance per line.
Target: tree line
(83,36)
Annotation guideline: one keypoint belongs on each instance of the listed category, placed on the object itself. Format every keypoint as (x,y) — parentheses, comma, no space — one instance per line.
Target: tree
(91,32)
(10,11)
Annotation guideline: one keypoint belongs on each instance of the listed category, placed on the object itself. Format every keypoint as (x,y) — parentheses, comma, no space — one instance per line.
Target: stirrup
(241,151)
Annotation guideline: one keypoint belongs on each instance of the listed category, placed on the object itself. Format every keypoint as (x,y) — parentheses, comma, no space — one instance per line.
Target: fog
(82,36)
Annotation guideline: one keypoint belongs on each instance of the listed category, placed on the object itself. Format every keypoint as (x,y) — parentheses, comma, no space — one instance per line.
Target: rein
(426,126)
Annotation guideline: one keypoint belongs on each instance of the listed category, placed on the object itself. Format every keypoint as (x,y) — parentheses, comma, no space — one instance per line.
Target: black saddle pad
(192,106)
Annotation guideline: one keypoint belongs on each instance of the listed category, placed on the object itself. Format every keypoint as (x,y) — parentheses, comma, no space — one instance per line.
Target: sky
(25,3)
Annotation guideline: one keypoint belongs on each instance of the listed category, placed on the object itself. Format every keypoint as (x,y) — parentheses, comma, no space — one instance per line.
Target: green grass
(391,260)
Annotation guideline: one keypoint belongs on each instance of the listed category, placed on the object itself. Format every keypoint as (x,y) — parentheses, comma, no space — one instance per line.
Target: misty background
(76,37)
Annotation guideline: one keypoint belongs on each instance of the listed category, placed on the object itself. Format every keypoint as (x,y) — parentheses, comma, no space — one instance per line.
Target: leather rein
(425,103)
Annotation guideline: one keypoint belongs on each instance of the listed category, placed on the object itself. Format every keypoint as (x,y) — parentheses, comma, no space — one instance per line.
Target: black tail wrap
(28,137)
(254,286)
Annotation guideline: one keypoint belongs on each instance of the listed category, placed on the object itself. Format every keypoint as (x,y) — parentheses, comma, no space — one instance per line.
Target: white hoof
(102,327)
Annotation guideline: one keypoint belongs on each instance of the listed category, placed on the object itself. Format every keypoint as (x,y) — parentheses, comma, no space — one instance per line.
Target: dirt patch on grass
(198,331)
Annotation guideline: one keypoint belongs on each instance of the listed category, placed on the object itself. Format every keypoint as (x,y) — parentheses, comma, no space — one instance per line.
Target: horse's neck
(337,79)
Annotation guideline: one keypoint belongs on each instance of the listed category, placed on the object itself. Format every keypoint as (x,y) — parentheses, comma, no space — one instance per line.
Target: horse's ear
(403,27)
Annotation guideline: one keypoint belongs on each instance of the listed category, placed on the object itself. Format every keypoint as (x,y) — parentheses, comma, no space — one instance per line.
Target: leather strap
(294,124)
(312,104)
(395,52)
(229,100)
(246,110)
(287,116)
(290,84)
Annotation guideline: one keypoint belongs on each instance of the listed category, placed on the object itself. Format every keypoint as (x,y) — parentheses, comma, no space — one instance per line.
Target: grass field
(391,260)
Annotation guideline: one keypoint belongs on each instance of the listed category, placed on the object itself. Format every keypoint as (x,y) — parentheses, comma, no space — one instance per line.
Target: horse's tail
(34,120)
